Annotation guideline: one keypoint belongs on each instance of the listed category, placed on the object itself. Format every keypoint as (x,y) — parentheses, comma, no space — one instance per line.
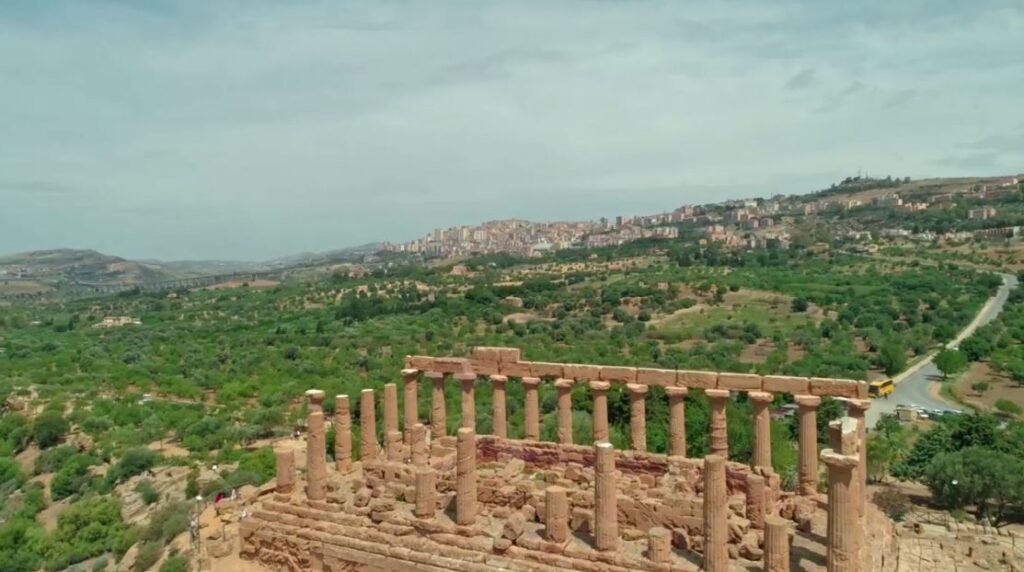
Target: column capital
(499,379)
(761,396)
(637,389)
(531,381)
(563,383)
(315,396)
(808,401)
(836,461)
(857,407)
(677,391)
(717,393)
(410,373)
(434,375)
(465,377)
(599,385)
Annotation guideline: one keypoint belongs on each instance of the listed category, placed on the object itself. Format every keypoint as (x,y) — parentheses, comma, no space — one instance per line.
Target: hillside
(66,268)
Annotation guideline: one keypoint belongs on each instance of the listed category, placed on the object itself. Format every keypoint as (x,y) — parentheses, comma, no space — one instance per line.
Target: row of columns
(846,459)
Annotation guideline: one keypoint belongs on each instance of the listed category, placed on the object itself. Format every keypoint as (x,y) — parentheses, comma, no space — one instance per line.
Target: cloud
(221,129)
(801,80)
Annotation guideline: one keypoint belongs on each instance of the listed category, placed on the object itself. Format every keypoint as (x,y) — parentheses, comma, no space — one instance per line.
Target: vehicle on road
(881,388)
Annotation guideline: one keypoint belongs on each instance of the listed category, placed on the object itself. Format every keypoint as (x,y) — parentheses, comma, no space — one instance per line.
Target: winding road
(913,385)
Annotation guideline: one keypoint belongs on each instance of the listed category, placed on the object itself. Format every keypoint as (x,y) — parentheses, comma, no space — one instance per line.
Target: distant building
(983,213)
(117,322)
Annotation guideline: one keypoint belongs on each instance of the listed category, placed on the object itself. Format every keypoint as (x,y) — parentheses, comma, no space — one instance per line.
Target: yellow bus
(881,388)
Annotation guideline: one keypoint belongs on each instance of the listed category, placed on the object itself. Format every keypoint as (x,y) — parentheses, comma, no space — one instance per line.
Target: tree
(800,305)
(48,429)
(950,362)
(991,481)
(892,357)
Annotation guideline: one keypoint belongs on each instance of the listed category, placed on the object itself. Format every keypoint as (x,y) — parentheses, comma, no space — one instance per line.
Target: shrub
(800,304)
(99,565)
(177,563)
(48,428)
(895,504)
(1008,407)
(51,460)
(146,490)
(980,387)
(133,462)
(146,557)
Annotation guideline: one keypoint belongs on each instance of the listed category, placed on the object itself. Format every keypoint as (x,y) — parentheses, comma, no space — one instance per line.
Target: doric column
(857,409)
(316,448)
(564,388)
(367,427)
(498,413)
(716,515)
(807,406)
(419,453)
(393,446)
(426,492)
(285,470)
(556,514)
(659,544)
(606,511)
(599,393)
(410,401)
(776,544)
(390,408)
(465,477)
(637,416)
(531,409)
(841,538)
(760,401)
(467,381)
(677,420)
(755,500)
(438,420)
(719,399)
(342,434)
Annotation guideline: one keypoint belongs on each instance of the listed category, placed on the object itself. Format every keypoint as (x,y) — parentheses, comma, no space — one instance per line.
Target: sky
(249,130)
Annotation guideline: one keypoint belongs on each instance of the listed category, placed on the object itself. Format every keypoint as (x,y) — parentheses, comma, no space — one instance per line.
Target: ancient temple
(425,500)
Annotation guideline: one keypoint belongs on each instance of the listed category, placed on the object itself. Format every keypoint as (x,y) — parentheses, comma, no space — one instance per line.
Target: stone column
(285,470)
(776,544)
(367,427)
(716,515)
(393,446)
(659,544)
(761,401)
(718,399)
(438,413)
(755,500)
(342,434)
(419,453)
(410,401)
(498,413)
(390,408)
(637,416)
(857,408)
(606,511)
(556,514)
(564,388)
(842,512)
(677,420)
(426,492)
(465,477)
(807,406)
(531,409)
(466,382)
(599,392)
(316,448)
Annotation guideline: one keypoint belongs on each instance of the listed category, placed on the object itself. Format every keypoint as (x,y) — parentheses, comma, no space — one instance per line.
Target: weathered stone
(410,401)
(285,470)
(599,394)
(342,434)
(564,388)
(719,399)
(316,448)
(637,416)
(368,448)
(498,410)
(438,411)
(760,402)
(776,544)
(807,406)
(716,532)
(556,511)
(677,420)
(606,527)
(531,408)
(467,382)
(465,493)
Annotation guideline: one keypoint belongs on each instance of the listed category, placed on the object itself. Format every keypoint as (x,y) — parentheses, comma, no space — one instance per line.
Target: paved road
(912,387)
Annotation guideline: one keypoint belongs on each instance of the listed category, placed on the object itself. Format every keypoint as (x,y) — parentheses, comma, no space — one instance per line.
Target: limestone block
(618,373)
(739,381)
(451,365)
(514,369)
(786,384)
(546,369)
(697,379)
(659,377)
(839,387)
(581,372)
(422,363)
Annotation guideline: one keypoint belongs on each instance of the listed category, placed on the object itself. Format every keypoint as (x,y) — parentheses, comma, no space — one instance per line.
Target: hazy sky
(252,129)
